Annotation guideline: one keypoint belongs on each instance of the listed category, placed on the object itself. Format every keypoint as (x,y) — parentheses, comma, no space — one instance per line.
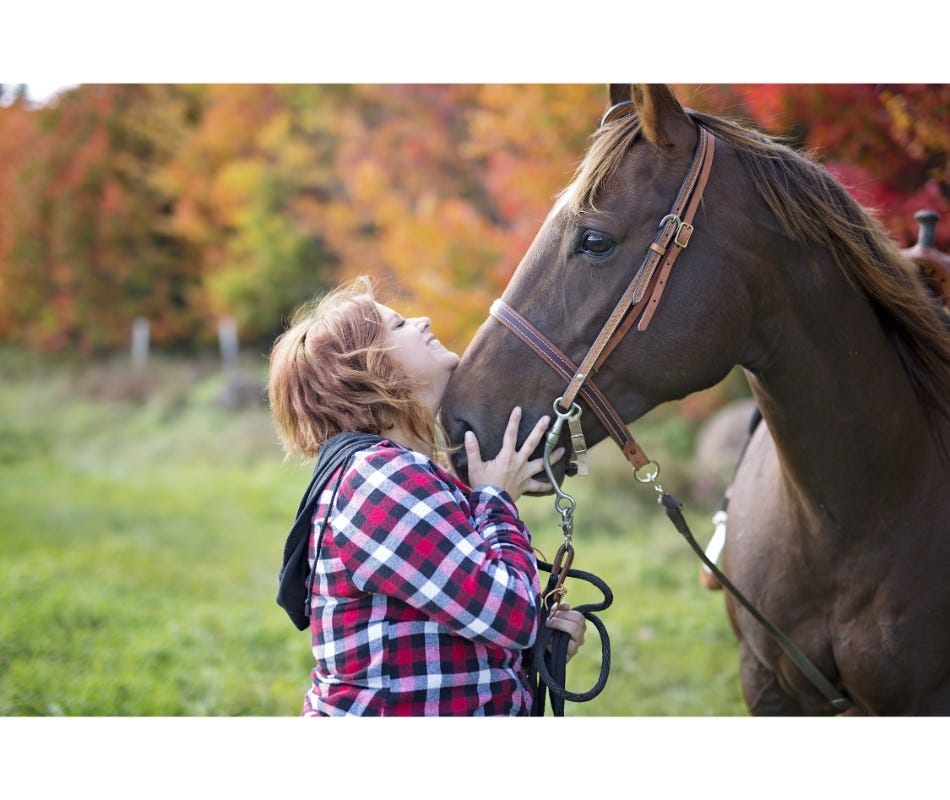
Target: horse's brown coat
(839,524)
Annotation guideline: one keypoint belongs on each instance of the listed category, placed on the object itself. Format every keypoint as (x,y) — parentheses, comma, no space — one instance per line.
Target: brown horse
(839,519)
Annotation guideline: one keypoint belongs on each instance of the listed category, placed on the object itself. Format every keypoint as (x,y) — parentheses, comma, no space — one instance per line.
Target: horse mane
(811,206)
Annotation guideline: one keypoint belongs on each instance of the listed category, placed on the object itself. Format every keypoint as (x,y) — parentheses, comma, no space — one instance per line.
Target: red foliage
(182,202)
(888,144)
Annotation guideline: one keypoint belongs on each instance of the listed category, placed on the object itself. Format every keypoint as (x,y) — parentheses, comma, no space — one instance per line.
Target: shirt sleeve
(467,565)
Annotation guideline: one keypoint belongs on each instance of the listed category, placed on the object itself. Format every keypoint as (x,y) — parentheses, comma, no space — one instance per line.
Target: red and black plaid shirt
(424,594)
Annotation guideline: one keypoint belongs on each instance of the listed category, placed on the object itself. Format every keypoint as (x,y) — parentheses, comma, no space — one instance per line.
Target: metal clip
(578,443)
(563,502)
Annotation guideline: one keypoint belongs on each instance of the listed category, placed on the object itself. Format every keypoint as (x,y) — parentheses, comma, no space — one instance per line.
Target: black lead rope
(547,671)
(838,700)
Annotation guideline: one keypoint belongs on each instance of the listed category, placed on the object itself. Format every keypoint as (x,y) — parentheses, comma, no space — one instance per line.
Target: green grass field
(141,529)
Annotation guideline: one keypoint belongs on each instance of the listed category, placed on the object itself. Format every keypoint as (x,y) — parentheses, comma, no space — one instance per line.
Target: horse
(838,528)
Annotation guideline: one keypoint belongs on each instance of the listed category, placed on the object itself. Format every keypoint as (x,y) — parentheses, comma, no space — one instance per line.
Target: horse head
(590,247)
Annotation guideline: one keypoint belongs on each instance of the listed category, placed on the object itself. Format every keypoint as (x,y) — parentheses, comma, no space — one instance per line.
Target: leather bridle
(638,302)
(637,305)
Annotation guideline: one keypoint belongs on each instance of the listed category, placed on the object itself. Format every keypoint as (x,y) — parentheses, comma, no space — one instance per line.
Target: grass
(141,526)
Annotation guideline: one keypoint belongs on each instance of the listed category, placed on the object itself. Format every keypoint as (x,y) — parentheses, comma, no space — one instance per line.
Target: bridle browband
(638,301)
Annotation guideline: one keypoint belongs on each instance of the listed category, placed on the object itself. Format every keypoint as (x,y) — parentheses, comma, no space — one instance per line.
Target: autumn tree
(84,249)
(887,144)
(186,203)
(257,167)
(442,187)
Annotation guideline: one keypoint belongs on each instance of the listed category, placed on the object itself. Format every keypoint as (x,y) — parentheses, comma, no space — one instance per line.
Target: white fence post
(140,335)
(228,341)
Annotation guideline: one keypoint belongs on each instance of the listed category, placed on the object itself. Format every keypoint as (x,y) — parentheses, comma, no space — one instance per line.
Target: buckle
(684,229)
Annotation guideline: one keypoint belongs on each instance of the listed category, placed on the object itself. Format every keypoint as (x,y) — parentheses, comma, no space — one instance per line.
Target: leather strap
(675,231)
(838,699)
(566,368)
(707,146)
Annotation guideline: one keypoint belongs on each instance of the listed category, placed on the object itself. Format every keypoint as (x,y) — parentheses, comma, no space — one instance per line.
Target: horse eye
(596,243)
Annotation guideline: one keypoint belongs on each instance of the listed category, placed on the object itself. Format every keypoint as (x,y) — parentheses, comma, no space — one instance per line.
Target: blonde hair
(330,372)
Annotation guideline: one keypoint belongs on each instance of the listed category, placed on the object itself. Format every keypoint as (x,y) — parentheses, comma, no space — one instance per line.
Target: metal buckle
(679,229)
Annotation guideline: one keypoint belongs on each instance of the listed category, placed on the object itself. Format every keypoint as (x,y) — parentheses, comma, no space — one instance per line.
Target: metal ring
(613,108)
(647,477)
(574,410)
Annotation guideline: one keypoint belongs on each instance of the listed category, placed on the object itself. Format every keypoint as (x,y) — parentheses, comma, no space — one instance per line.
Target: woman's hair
(330,372)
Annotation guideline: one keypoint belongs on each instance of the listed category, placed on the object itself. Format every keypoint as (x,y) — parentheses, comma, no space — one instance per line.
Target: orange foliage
(182,203)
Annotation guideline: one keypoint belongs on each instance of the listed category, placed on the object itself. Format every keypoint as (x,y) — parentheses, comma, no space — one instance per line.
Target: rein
(638,302)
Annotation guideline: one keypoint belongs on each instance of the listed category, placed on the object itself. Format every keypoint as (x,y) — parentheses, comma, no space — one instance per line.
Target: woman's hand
(571,622)
(510,469)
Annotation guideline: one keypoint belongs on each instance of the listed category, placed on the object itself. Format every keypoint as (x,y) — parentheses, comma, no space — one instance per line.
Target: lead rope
(548,670)
(673,508)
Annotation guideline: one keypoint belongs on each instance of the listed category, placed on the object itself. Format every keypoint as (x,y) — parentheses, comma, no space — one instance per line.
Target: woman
(422,592)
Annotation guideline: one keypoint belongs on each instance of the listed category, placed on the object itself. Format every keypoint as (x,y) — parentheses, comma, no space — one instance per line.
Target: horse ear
(662,118)
(619,93)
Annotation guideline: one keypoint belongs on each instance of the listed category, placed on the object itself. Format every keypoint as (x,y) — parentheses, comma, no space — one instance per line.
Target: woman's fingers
(571,622)
(510,438)
(511,469)
(535,466)
(472,449)
(534,438)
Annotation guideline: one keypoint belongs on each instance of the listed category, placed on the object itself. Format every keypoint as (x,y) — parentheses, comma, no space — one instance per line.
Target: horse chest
(871,610)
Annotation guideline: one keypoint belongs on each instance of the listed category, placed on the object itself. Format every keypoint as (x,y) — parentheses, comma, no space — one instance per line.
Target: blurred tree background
(186,203)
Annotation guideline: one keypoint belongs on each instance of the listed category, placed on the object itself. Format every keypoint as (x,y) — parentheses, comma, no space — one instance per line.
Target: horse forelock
(609,146)
(810,206)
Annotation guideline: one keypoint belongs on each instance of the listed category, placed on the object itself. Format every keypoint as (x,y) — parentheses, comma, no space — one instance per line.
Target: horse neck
(839,405)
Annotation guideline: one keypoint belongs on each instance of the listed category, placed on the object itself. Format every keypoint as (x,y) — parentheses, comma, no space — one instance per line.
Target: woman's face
(413,347)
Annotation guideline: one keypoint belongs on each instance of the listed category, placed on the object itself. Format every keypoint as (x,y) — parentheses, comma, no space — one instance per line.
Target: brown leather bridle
(639,301)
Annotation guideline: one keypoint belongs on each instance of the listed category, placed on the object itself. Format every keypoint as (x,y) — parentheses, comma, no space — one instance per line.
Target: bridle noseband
(638,302)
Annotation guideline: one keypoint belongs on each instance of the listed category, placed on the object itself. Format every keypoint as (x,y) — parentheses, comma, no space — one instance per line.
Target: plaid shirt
(424,594)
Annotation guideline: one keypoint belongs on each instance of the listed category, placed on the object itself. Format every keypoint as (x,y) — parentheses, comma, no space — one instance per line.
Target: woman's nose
(422,323)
